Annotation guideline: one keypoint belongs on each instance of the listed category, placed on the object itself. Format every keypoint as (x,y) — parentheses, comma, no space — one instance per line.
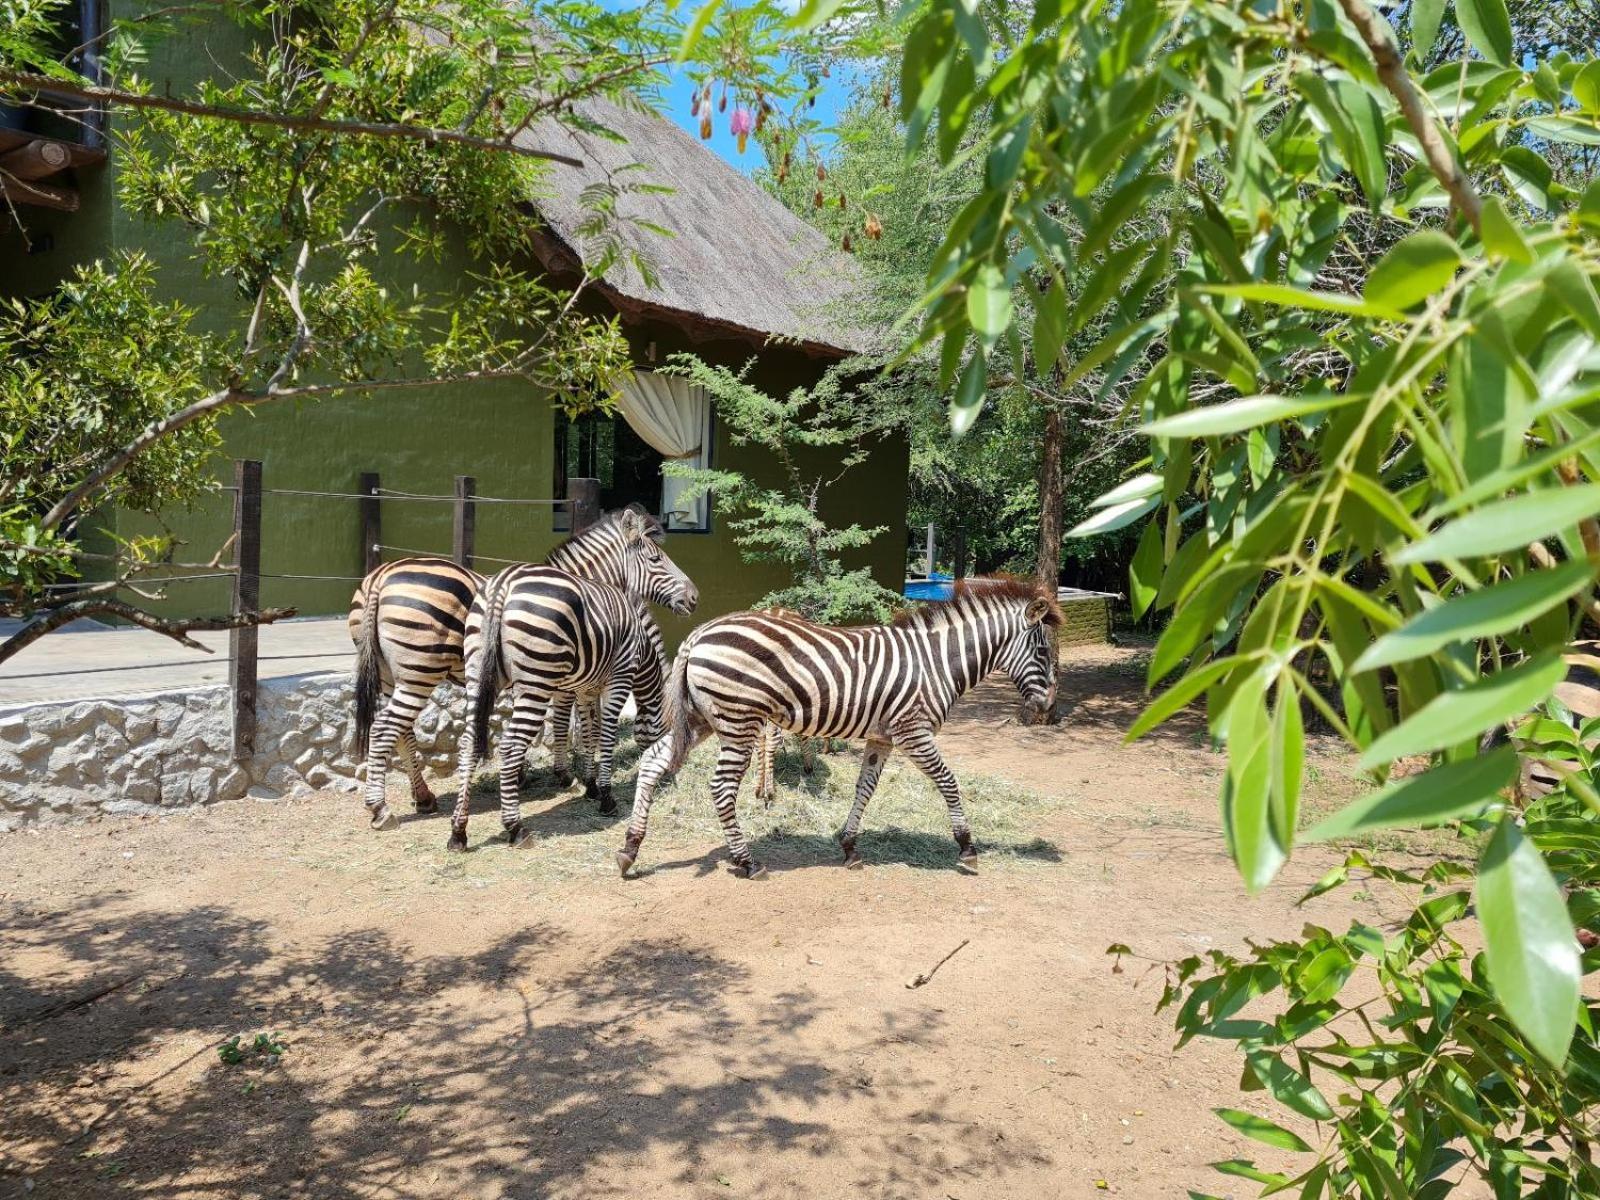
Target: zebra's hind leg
(872,763)
(590,738)
(610,706)
(732,760)
(561,738)
(920,749)
(422,797)
(659,761)
(527,714)
(391,726)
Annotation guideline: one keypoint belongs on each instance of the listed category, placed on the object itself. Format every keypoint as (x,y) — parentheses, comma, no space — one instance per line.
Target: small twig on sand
(922,979)
(50,1011)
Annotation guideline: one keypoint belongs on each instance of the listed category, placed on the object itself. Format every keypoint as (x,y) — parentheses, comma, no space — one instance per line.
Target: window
(659,416)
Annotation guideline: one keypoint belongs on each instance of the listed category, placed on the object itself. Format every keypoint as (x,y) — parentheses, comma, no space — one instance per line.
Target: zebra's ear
(632,526)
(1038,610)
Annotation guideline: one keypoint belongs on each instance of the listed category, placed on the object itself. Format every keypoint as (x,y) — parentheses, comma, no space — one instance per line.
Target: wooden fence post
(464,531)
(371,522)
(243,642)
(585,497)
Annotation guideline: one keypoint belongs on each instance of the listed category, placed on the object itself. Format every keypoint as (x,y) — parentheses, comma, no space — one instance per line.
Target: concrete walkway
(77,664)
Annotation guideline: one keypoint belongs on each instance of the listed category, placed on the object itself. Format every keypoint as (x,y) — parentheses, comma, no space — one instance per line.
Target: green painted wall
(418,441)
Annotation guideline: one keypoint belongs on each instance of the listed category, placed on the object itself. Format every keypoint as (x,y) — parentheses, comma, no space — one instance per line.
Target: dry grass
(906,823)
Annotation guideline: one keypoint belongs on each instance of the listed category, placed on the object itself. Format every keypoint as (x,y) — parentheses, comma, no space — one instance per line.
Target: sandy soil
(508,1024)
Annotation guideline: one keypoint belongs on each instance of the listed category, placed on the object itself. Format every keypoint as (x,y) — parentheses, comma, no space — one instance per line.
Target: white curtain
(674,417)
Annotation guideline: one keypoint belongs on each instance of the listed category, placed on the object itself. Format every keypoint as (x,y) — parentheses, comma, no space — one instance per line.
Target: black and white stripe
(408,621)
(545,633)
(892,685)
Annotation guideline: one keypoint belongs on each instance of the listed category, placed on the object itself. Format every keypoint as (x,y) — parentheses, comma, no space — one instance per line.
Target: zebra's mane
(607,522)
(970,593)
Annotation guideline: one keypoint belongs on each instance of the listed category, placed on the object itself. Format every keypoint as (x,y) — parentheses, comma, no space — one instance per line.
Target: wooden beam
(463,532)
(35,160)
(243,641)
(40,195)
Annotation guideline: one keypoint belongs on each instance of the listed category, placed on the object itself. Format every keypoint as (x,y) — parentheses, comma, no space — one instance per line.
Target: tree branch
(1379,38)
(177,629)
(20,81)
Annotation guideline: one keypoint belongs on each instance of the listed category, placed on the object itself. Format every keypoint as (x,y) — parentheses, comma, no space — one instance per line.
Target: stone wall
(1085,621)
(77,759)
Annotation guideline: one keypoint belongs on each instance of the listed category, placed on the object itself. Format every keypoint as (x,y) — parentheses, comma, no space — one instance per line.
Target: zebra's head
(1028,657)
(647,571)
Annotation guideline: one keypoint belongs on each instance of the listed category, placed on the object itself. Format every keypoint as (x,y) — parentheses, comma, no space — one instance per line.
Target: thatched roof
(740,261)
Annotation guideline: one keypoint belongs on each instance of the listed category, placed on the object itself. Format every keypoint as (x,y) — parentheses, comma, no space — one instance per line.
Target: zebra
(547,633)
(408,619)
(890,684)
(574,721)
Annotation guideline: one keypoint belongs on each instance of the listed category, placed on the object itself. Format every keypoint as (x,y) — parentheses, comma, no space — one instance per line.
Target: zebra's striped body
(408,621)
(546,633)
(575,720)
(891,685)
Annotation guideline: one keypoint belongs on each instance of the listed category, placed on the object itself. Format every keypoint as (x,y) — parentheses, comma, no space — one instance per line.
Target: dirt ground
(525,1024)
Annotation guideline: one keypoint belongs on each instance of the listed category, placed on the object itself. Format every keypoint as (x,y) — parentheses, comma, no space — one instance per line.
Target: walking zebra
(546,633)
(408,619)
(890,684)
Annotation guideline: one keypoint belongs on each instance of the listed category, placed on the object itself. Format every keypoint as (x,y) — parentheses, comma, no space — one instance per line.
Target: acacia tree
(1359,334)
(347,133)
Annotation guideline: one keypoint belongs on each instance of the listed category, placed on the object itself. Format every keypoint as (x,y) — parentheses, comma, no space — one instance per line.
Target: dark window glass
(595,446)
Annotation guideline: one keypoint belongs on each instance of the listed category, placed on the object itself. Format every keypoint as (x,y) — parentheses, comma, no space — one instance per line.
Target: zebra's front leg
(659,761)
(392,726)
(920,749)
(610,706)
(422,797)
(527,714)
(872,763)
(732,760)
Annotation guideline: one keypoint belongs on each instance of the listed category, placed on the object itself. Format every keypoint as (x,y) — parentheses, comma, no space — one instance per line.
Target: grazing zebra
(546,633)
(890,684)
(407,620)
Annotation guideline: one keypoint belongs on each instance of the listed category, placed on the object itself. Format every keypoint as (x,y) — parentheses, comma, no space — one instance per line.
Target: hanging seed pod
(873,227)
(783,172)
(694,104)
(888,98)
(705,125)
(722,101)
(844,203)
(786,160)
(822,172)
(845,245)
(816,200)
(761,118)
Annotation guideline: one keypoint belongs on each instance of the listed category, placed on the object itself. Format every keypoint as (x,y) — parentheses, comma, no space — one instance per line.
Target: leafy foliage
(783,519)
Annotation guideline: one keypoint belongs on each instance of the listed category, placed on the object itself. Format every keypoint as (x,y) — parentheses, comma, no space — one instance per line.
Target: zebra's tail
(369,671)
(488,683)
(677,706)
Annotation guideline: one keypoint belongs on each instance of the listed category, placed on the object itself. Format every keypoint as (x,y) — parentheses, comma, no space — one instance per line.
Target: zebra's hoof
(967,862)
(608,804)
(750,870)
(426,804)
(384,819)
(625,862)
(519,836)
(458,841)
(854,861)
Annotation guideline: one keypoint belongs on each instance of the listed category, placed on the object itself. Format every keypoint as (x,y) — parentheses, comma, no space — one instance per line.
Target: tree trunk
(1048,568)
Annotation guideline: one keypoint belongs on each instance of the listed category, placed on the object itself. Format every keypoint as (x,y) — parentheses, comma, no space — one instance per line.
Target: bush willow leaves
(1366,370)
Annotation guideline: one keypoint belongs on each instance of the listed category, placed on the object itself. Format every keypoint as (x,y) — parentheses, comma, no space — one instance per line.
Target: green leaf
(1288,755)
(1425,18)
(1144,572)
(1181,693)
(1528,941)
(989,303)
(1288,1086)
(1136,488)
(1507,525)
(1488,27)
(1586,87)
(1414,268)
(1247,823)
(1262,1130)
(968,400)
(1495,609)
(1312,301)
(1050,326)
(1445,793)
(1247,412)
(1454,717)
(697,27)
(1501,236)
(1566,129)
(1115,517)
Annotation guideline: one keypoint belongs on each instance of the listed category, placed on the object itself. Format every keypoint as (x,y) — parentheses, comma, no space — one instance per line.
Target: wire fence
(582,501)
